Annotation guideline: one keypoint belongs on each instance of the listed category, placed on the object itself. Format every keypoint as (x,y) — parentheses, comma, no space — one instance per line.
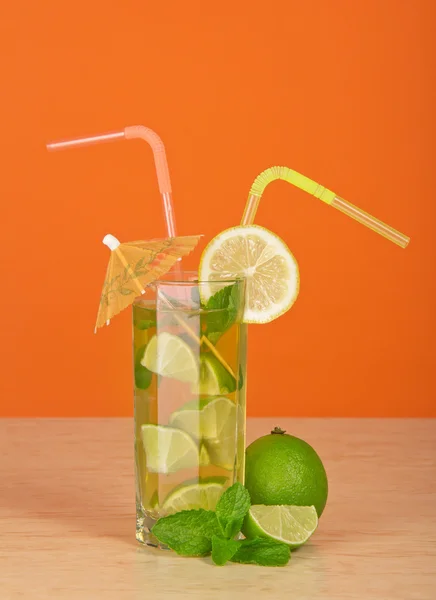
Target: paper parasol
(134,265)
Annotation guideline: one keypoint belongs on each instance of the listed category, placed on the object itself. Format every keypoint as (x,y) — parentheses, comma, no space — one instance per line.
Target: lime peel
(292,525)
(193,497)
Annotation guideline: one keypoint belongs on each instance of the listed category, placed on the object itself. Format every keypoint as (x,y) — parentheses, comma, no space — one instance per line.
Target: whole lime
(283,469)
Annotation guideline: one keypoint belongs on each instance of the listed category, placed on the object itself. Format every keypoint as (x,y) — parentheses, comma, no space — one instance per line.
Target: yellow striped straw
(324,194)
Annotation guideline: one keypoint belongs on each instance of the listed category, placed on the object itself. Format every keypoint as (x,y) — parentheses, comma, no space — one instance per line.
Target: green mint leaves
(202,532)
(188,532)
(258,551)
(144,324)
(223,550)
(262,551)
(231,509)
(142,375)
(223,307)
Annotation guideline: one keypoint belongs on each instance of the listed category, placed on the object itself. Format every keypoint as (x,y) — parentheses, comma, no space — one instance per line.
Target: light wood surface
(67,526)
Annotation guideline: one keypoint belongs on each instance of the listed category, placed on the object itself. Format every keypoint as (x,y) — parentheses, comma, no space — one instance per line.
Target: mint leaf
(188,532)
(264,552)
(143,318)
(232,508)
(142,377)
(145,324)
(223,550)
(223,309)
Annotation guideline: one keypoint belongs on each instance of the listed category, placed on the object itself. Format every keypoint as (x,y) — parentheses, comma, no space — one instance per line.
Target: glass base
(144,524)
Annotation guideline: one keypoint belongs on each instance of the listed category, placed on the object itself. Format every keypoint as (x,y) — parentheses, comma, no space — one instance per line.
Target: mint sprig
(188,532)
(232,508)
(262,551)
(223,549)
(144,324)
(222,312)
(202,532)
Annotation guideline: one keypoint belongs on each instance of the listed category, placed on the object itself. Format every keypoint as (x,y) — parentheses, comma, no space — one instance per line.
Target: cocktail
(189,395)
(190,344)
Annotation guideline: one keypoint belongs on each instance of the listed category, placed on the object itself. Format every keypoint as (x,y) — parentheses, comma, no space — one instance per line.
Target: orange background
(342,91)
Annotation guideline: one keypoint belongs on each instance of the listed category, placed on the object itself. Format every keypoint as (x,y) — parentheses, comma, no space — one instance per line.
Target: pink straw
(160,159)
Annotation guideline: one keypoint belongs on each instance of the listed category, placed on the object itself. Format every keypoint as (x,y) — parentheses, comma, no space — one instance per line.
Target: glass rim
(181,282)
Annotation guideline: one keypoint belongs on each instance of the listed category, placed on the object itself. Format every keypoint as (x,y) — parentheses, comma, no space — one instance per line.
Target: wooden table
(67,517)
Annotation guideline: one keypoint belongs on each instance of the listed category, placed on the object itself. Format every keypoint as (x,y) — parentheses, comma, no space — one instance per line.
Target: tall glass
(189,350)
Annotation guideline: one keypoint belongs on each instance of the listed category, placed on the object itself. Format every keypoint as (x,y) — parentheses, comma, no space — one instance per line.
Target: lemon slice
(168,450)
(192,497)
(292,525)
(170,356)
(263,259)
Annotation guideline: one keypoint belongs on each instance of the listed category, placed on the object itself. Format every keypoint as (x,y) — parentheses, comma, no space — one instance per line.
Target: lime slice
(170,356)
(214,377)
(168,450)
(188,417)
(194,496)
(263,259)
(204,418)
(213,420)
(292,525)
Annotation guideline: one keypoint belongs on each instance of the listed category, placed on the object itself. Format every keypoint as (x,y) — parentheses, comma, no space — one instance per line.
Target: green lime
(282,469)
(213,420)
(193,496)
(292,525)
(168,450)
(170,356)
(214,377)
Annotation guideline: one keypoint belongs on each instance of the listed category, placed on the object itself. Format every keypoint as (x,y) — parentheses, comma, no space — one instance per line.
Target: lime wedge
(213,420)
(168,450)
(170,356)
(292,525)
(214,377)
(263,260)
(194,496)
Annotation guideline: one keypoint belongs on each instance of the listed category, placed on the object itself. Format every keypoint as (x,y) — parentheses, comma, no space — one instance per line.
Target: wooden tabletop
(67,527)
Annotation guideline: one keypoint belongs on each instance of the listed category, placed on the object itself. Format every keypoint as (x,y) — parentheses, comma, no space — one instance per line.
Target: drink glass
(190,391)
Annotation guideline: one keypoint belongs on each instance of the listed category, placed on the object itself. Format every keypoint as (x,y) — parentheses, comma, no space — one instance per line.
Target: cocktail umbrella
(134,265)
